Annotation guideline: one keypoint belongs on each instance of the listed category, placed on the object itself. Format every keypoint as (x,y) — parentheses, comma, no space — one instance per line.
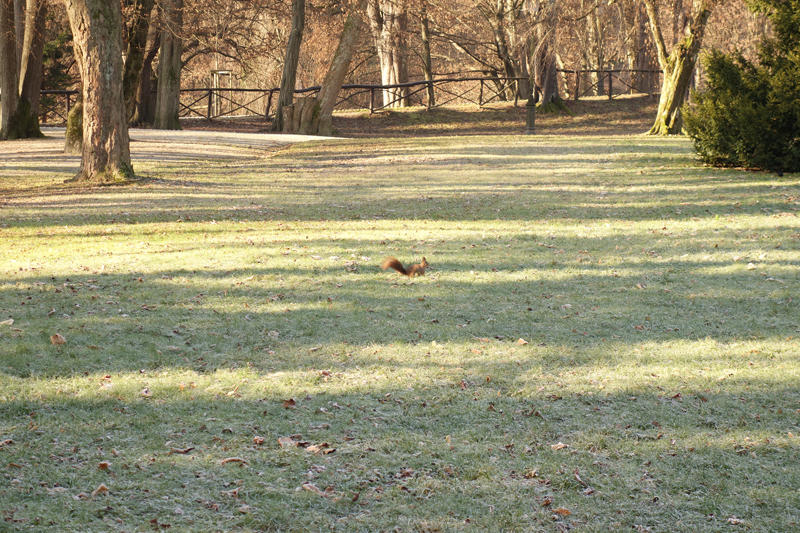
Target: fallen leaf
(287,442)
(289,404)
(181,450)
(57,339)
(562,511)
(104,465)
(8,322)
(522,341)
(559,446)
(313,488)
(102,489)
(6,442)
(322,448)
(258,440)
(235,460)
(244,509)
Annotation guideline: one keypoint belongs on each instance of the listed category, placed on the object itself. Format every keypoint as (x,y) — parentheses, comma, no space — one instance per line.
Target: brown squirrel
(412,270)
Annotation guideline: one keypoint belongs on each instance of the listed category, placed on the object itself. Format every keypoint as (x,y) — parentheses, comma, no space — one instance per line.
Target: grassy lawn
(607,340)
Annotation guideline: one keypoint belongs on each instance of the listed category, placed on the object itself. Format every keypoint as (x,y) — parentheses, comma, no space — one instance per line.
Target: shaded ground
(625,115)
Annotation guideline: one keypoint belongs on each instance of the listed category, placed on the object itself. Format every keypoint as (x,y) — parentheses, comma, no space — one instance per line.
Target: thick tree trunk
(20,68)
(289,77)
(320,122)
(32,56)
(544,76)
(144,108)
(678,66)
(388,22)
(138,29)
(9,74)
(97,33)
(169,69)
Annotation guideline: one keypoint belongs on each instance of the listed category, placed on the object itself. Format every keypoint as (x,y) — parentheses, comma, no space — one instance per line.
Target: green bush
(750,114)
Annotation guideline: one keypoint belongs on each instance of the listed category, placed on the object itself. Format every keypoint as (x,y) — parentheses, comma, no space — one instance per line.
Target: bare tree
(21,48)
(320,121)
(289,78)
(388,21)
(97,33)
(678,65)
(139,13)
(168,98)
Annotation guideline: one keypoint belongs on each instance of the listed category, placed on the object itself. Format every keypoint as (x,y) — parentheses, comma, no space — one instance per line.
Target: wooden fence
(221,102)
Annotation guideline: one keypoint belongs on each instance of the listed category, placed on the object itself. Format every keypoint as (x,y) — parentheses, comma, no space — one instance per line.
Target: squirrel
(412,270)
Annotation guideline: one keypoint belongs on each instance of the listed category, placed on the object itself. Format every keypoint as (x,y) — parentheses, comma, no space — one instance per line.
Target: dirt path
(45,157)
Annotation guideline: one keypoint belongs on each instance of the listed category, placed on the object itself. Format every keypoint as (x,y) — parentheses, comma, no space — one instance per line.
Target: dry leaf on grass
(238,460)
(258,440)
(57,339)
(102,489)
(287,442)
(104,465)
(316,490)
(559,446)
(289,404)
(322,448)
(181,450)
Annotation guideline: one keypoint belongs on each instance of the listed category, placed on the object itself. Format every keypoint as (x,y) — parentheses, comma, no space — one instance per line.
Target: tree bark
(289,77)
(32,56)
(678,65)
(144,108)
(427,66)
(320,122)
(138,29)
(388,22)
(97,34)
(9,74)
(21,51)
(169,68)
(544,76)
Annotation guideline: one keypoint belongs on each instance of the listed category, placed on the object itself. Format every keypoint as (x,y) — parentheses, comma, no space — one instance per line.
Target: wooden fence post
(480,95)
(371,100)
(208,109)
(610,87)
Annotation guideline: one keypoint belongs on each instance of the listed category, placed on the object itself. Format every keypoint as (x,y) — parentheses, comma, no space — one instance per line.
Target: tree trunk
(388,21)
(320,122)
(595,53)
(9,74)
(289,78)
(144,108)
(427,65)
(138,29)
(678,66)
(544,77)
(169,69)
(20,68)
(97,34)
(32,57)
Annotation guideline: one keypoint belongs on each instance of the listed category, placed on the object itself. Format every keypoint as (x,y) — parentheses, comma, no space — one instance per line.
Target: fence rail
(213,103)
